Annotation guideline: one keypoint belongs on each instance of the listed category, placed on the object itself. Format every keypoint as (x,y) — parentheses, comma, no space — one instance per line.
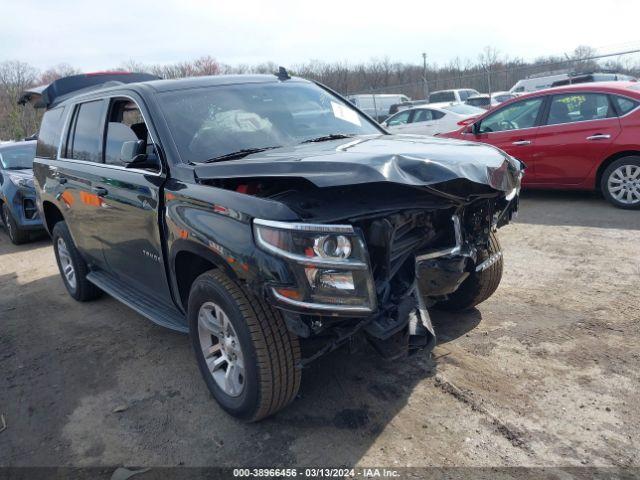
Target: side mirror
(133,152)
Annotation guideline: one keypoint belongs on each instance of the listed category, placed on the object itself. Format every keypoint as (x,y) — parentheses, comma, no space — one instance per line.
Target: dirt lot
(547,372)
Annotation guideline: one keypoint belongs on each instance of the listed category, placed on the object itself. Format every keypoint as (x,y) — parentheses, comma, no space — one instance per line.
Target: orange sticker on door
(90,199)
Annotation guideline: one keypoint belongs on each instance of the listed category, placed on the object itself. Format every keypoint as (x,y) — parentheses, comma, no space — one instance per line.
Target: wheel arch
(52,215)
(189,260)
(609,160)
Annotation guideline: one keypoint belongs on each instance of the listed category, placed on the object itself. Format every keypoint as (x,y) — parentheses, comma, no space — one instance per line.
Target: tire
(620,183)
(478,286)
(81,289)
(16,234)
(269,353)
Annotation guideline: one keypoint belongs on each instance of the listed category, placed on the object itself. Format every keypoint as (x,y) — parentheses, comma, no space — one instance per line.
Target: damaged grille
(394,240)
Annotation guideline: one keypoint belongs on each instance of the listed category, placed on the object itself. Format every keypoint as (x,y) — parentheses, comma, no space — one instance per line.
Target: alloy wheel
(221,349)
(624,184)
(66,264)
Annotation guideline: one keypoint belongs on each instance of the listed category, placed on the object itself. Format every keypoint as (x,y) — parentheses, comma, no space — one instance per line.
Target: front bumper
(24,209)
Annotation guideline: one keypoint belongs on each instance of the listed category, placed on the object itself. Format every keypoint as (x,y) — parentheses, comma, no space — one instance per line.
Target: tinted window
(399,119)
(50,132)
(213,121)
(513,117)
(578,107)
(126,124)
(422,116)
(625,105)
(17,158)
(86,135)
(437,97)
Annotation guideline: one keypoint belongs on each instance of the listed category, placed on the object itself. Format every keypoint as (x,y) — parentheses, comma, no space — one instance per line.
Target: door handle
(99,191)
(599,136)
(522,142)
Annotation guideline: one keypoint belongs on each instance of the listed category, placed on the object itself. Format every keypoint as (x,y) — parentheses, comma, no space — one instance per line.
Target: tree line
(491,71)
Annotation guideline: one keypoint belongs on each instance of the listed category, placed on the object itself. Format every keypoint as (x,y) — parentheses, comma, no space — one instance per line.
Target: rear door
(577,134)
(514,129)
(79,167)
(424,121)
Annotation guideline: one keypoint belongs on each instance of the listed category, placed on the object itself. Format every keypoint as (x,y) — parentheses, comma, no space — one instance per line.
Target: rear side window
(85,137)
(422,116)
(50,132)
(437,97)
(624,104)
(579,107)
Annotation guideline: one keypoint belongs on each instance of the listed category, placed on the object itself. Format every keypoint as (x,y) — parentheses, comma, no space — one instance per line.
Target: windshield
(17,158)
(212,122)
(438,97)
(462,109)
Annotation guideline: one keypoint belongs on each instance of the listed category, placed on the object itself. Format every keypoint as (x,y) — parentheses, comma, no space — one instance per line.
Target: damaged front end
(372,256)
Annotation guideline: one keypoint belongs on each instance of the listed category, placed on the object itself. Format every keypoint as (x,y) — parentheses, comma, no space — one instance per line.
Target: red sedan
(581,137)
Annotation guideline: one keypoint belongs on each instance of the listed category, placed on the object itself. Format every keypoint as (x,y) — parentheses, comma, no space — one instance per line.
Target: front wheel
(620,183)
(16,234)
(478,286)
(247,357)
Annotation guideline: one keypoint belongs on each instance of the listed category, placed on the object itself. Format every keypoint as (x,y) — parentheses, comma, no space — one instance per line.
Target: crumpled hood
(404,159)
(26,174)
(22,173)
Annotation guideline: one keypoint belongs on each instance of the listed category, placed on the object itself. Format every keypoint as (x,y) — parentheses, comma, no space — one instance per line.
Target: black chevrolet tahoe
(267,217)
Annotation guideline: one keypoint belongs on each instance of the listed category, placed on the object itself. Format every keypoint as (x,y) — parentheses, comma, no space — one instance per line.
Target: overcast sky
(99,35)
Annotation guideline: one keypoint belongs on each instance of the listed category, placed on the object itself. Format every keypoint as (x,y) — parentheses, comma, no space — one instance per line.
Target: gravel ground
(545,373)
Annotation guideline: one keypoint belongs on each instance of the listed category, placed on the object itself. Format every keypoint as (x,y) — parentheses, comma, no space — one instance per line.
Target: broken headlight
(330,263)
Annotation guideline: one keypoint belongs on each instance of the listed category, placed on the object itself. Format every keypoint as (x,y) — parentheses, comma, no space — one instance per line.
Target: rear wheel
(620,183)
(16,234)
(72,266)
(247,357)
(478,286)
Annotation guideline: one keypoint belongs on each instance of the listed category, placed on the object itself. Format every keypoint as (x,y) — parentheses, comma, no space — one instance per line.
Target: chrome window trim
(65,133)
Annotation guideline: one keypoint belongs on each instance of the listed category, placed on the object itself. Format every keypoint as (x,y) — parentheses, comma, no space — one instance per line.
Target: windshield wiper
(326,138)
(239,154)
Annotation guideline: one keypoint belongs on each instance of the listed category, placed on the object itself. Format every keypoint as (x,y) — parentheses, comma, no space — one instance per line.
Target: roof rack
(48,96)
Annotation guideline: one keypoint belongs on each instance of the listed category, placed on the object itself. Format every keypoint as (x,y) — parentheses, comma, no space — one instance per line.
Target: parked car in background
(17,194)
(486,101)
(580,137)
(458,95)
(396,107)
(541,82)
(429,120)
(377,106)
(594,77)
(256,211)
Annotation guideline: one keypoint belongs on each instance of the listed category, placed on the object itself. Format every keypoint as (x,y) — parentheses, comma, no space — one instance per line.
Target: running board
(161,314)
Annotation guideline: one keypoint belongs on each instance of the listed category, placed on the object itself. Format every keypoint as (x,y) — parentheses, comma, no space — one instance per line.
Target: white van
(537,83)
(377,106)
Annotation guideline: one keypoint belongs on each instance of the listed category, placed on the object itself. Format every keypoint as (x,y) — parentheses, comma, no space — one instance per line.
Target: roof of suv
(160,85)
